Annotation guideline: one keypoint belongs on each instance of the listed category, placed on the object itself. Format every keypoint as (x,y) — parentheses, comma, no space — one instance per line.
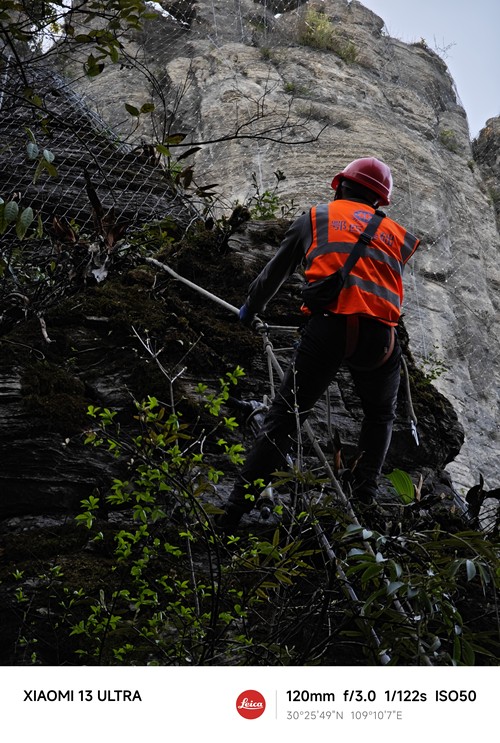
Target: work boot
(230,519)
(265,506)
(364,492)
(366,497)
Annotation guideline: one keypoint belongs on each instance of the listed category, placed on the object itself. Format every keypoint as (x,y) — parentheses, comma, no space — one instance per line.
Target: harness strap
(390,349)
(352,337)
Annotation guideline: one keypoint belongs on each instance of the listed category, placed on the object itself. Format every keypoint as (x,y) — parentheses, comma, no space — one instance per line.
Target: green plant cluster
(319,32)
(12,213)
(267,204)
(449,140)
(178,592)
(435,575)
(26,22)
(433,367)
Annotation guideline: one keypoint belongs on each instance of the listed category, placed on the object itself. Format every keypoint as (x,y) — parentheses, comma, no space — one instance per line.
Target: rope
(273,364)
(409,401)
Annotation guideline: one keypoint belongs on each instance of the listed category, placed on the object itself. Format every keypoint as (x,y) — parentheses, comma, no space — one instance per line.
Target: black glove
(246,316)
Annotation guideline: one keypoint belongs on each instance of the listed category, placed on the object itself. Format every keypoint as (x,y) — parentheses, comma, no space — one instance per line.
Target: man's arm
(290,254)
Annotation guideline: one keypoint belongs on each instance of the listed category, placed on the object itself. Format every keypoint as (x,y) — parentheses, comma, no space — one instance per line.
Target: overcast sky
(465,34)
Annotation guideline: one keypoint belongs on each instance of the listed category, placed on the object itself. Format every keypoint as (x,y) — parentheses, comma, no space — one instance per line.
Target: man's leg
(316,362)
(378,391)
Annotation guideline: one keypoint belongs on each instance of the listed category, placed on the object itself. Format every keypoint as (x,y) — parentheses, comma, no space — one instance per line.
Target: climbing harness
(352,336)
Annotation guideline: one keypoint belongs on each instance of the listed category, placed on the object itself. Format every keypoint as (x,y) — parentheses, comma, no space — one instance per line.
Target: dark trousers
(317,359)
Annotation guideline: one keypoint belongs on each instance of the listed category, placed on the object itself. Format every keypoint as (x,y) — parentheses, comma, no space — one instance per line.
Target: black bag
(319,294)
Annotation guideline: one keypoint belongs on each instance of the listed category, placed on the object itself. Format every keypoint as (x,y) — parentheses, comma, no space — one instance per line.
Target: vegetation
(448,139)
(319,32)
(167,588)
(267,204)
(433,366)
(25,26)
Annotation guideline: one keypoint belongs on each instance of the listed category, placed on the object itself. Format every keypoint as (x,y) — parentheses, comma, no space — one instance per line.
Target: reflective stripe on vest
(375,285)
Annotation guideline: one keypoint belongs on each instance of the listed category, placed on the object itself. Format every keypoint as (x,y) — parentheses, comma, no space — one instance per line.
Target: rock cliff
(346,89)
(267,87)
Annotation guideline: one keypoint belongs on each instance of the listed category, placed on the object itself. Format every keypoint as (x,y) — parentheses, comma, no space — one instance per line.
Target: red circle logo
(250,704)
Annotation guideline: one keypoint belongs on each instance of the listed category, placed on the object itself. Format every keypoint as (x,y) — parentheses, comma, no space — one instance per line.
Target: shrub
(267,204)
(318,31)
(316,589)
(448,139)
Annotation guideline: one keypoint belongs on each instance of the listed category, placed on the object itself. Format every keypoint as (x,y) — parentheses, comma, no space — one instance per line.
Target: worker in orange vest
(356,327)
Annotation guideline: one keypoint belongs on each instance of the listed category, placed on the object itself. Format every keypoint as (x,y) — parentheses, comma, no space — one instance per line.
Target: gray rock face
(236,68)
(486,149)
(368,94)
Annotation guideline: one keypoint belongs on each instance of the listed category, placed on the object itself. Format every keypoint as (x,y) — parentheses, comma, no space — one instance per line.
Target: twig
(43,327)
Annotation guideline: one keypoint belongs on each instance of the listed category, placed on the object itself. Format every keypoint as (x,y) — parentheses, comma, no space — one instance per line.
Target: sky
(466,36)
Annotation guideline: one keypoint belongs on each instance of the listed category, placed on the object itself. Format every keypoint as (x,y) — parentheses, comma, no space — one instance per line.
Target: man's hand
(247,318)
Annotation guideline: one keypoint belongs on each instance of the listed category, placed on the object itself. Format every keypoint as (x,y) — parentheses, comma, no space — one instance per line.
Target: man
(357,328)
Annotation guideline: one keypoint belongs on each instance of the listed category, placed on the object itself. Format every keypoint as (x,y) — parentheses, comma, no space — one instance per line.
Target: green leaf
(92,67)
(32,150)
(455,565)
(39,226)
(51,170)
(484,573)
(403,485)
(133,111)
(10,212)
(470,568)
(371,572)
(468,654)
(395,568)
(353,529)
(394,587)
(38,170)
(163,150)
(371,599)
(25,219)
(355,552)
(147,108)
(114,54)
(175,138)
(189,152)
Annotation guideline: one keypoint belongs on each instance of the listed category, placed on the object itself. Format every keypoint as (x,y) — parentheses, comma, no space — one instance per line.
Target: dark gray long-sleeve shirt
(290,255)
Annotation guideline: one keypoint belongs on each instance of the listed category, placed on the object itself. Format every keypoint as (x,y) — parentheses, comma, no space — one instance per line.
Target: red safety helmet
(369,172)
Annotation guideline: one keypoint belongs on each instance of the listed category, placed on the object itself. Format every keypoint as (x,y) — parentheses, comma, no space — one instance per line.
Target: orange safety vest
(374,287)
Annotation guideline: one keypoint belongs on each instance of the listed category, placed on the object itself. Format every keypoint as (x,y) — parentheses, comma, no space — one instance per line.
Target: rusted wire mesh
(136,187)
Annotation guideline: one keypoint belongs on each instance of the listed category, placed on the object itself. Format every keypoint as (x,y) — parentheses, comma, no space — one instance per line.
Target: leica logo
(250,704)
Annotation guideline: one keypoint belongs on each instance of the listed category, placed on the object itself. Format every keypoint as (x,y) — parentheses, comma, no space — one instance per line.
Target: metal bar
(194,286)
